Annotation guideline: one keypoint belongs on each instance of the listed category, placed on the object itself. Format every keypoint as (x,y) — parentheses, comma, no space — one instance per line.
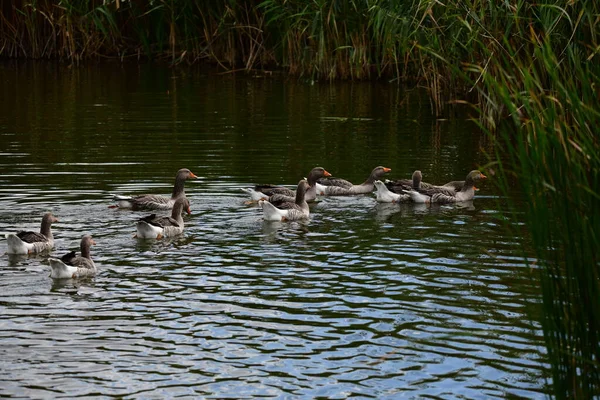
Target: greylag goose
(384,195)
(288,211)
(343,189)
(153,227)
(32,242)
(401,185)
(157,202)
(435,195)
(273,192)
(71,266)
(333,181)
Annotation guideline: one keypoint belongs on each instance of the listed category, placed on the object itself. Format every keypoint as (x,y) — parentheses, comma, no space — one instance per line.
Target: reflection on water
(363,300)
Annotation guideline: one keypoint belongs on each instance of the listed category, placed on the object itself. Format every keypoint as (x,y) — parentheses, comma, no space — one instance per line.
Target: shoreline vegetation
(531,70)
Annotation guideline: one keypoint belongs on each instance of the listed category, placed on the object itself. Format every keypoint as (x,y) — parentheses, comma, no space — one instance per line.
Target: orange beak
(192,175)
(189,211)
(386,169)
(482,176)
(93,242)
(326,173)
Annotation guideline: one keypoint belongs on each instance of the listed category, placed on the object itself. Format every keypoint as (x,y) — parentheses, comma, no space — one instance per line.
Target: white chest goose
(153,227)
(340,187)
(27,242)
(154,201)
(466,193)
(72,266)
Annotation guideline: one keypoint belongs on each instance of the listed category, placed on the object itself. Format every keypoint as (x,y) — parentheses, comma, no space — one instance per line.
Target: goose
(153,227)
(288,211)
(297,202)
(32,242)
(466,193)
(153,201)
(400,185)
(71,266)
(384,195)
(341,187)
(273,193)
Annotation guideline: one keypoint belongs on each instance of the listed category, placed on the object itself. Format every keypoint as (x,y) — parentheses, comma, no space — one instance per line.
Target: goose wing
(339,182)
(271,190)
(31,237)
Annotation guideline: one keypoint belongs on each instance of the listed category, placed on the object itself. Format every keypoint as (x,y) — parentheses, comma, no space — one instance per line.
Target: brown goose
(71,266)
(154,201)
(348,190)
(288,211)
(466,193)
(401,185)
(153,227)
(32,242)
(273,192)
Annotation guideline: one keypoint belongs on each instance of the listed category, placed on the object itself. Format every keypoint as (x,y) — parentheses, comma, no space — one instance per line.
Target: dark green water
(365,300)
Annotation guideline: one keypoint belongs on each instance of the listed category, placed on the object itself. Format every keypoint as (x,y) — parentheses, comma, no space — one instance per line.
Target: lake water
(365,300)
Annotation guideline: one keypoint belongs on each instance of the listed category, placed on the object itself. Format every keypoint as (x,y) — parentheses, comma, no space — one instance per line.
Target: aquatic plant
(547,83)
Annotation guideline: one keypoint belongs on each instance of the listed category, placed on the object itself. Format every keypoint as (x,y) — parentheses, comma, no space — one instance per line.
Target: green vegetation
(532,65)
(551,94)
(545,77)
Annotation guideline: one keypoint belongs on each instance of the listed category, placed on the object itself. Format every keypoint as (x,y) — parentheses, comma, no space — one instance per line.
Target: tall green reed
(547,84)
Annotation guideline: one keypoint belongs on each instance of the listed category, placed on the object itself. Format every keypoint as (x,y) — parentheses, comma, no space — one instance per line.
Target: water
(365,300)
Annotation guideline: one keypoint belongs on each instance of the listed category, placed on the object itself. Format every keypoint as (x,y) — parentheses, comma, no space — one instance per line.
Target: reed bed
(546,79)
(530,70)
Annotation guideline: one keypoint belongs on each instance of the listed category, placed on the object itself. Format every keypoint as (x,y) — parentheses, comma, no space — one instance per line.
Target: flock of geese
(278,203)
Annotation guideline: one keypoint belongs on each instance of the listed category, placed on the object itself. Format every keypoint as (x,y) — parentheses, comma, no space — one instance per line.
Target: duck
(153,227)
(72,266)
(342,187)
(273,192)
(288,211)
(435,195)
(384,195)
(154,201)
(27,242)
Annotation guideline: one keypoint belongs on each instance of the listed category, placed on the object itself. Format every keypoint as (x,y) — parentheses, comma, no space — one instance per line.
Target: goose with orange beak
(279,194)
(466,193)
(342,187)
(154,201)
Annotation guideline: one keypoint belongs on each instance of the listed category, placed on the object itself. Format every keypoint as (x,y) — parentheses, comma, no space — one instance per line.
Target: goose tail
(148,231)
(417,197)
(60,270)
(255,195)
(123,201)
(15,245)
(270,212)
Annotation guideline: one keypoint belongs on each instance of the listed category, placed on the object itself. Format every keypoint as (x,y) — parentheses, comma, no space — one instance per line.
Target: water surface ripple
(365,300)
